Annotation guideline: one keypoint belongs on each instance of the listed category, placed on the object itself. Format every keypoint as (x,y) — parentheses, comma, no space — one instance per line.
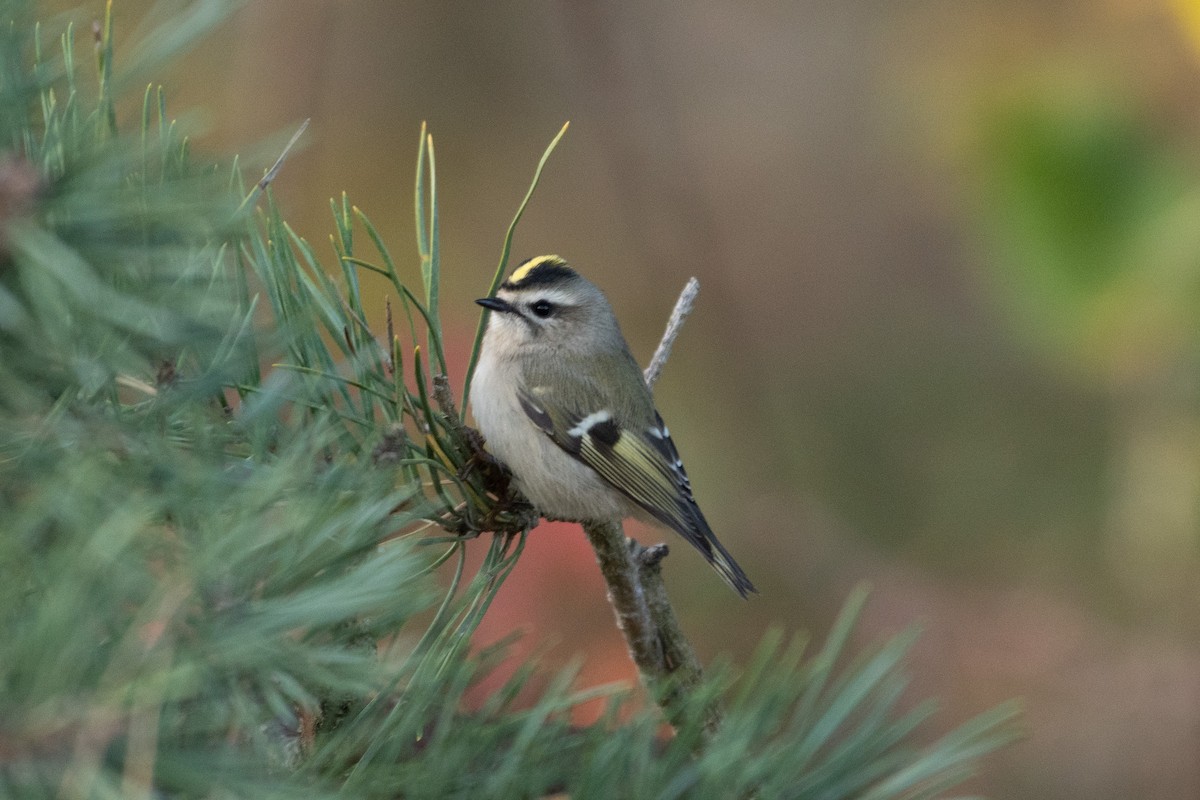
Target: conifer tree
(225,503)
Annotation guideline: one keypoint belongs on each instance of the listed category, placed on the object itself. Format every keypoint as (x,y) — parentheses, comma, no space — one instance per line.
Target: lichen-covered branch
(617,557)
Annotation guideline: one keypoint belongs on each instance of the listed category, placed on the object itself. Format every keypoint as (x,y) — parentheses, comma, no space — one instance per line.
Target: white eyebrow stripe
(585,424)
(555,296)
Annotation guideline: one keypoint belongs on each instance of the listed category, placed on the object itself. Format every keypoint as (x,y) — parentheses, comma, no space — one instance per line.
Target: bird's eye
(542,308)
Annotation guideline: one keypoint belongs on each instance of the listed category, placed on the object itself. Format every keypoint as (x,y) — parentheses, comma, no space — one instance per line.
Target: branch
(619,565)
(683,307)
(664,657)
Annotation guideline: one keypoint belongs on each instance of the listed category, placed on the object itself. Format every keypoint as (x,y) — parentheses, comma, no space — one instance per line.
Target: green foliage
(1090,215)
(223,499)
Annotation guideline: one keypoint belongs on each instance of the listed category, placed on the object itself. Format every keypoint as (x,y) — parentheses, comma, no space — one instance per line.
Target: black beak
(495,304)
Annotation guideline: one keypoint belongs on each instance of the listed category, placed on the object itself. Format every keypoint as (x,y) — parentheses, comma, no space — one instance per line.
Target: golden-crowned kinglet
(562,402)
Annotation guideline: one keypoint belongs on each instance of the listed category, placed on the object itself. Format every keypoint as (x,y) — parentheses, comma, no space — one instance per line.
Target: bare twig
(664,657)
(617,557)
(683,307)
(679,659)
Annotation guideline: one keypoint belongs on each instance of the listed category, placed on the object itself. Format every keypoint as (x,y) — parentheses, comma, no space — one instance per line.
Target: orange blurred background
(947,335)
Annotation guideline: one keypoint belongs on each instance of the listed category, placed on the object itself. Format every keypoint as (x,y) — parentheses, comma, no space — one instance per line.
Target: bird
(561,401)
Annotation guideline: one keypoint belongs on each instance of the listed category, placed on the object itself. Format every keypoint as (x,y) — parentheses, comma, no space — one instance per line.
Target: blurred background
(948,338)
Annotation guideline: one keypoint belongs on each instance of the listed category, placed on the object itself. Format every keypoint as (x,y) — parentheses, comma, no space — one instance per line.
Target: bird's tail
(698,532)
(727,568)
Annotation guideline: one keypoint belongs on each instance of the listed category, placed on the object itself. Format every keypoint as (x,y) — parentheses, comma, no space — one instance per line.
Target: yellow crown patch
(523,271)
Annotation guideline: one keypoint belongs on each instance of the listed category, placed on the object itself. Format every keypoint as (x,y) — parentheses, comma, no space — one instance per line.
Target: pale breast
(554,481)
